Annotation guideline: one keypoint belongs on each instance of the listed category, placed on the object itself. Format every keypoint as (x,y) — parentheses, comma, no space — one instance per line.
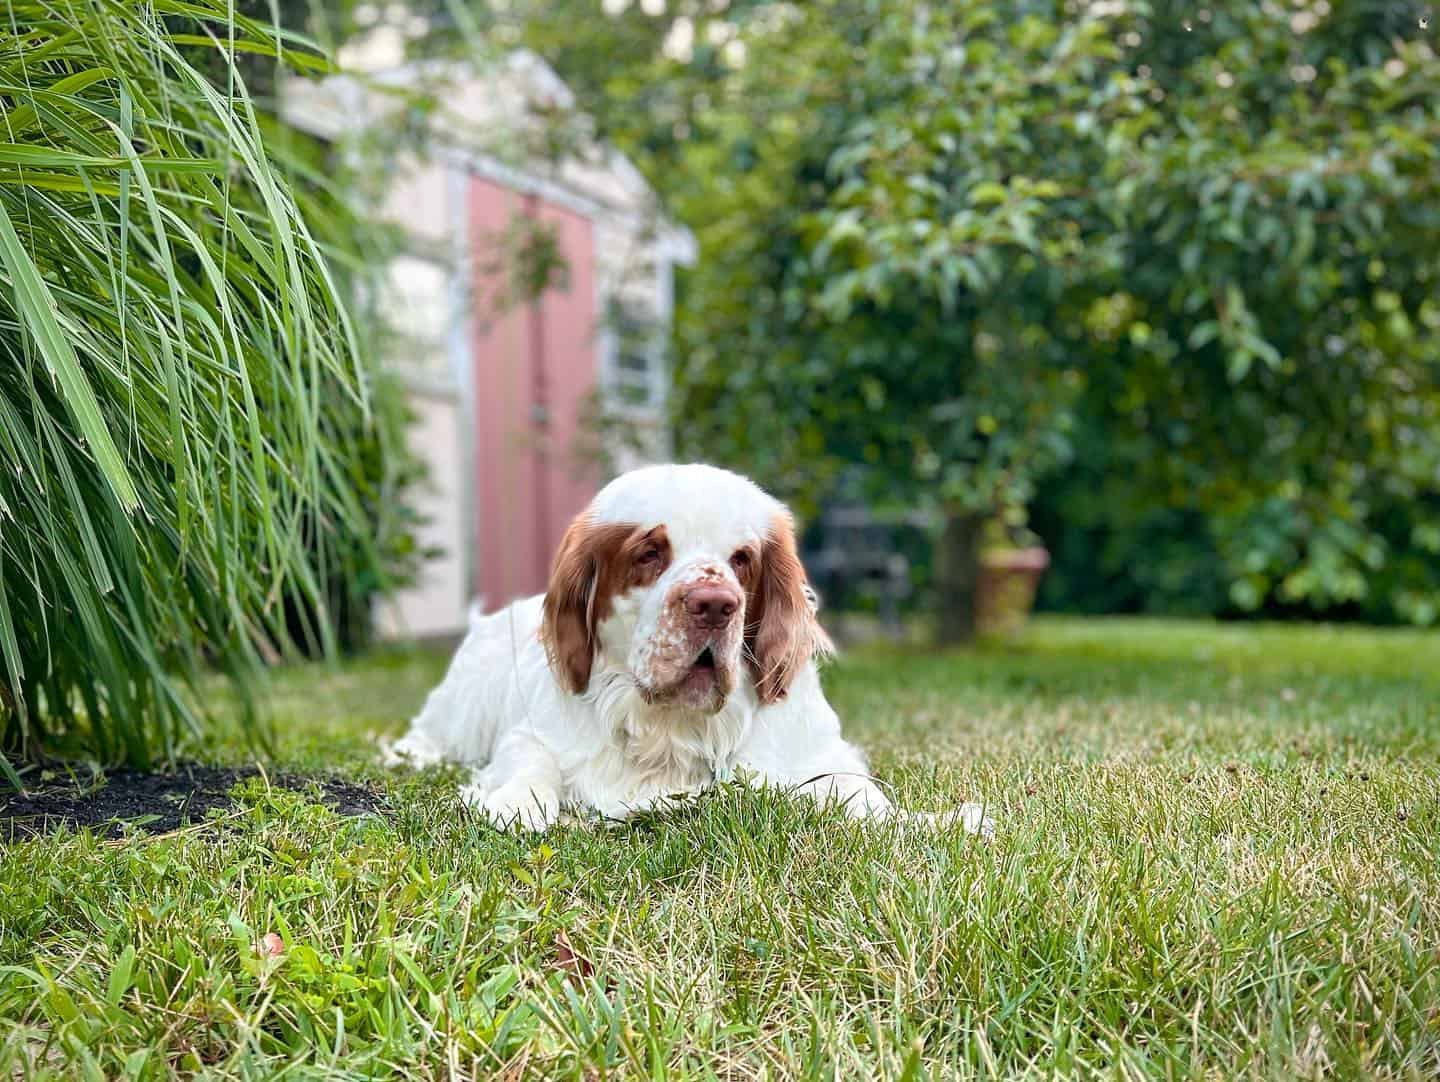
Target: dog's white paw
(969,817)
(412,750)
(514,807)
(974,819)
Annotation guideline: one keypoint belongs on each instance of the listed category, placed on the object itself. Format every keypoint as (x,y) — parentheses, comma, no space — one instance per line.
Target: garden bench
(855,558)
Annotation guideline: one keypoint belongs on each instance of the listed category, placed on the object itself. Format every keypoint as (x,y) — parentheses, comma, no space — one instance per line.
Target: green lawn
(1218,851)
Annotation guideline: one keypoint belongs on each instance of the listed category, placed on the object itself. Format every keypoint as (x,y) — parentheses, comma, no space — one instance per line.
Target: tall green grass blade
(41,158)
(37,311)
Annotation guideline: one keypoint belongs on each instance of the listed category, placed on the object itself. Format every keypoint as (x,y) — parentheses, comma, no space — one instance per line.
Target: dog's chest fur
(656,751)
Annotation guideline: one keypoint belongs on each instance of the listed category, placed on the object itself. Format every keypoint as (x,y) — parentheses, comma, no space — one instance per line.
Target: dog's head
(687,578)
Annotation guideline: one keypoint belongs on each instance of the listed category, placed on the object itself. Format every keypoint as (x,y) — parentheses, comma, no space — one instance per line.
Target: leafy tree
(938,238)
(1264,368)
(898,288)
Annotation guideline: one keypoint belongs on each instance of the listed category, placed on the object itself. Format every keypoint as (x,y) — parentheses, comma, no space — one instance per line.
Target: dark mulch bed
(155,803)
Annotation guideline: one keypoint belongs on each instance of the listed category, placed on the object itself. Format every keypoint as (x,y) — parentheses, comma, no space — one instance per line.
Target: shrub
(183,400)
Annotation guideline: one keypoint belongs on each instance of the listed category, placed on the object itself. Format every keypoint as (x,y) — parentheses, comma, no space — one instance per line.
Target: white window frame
(623,317)
(437,343)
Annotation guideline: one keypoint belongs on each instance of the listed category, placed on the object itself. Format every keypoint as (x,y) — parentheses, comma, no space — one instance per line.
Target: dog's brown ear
(782,632)
(582,585)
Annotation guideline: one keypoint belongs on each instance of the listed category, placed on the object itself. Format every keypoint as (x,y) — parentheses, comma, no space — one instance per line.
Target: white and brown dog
(676,645)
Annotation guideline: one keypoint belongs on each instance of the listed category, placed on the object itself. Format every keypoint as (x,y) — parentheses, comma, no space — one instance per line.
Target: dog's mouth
(703,674)
(701,683)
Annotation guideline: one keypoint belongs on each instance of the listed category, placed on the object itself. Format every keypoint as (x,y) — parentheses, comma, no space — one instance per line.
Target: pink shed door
(536,365)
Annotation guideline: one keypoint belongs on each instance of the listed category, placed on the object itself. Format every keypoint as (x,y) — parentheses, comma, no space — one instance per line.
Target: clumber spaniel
(676,645)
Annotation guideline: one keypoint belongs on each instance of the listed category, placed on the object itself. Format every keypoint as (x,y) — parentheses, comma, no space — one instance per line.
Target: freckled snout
(712,605)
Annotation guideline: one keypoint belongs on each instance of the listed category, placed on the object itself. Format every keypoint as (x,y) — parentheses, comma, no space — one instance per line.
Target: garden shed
(530,306)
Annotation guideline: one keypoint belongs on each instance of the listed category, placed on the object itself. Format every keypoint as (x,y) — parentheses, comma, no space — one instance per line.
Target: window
(638,374)
(417,299)
(416,316)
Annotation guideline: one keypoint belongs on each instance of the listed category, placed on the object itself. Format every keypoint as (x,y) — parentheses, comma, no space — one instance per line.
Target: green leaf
(120,976)
(988,193)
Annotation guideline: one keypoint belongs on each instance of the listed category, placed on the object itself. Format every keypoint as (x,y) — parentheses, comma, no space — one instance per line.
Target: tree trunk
(957,577)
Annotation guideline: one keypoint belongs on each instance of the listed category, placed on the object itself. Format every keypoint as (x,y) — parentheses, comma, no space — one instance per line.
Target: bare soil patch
(156,802)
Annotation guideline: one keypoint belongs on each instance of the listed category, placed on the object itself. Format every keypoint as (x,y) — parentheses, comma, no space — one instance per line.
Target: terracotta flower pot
(1006,590)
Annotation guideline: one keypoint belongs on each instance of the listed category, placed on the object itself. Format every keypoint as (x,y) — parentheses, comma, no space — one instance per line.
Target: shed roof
(499,117)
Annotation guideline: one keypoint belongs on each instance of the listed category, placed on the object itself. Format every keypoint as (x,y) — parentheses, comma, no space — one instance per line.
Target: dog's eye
(649,556)
(740,561)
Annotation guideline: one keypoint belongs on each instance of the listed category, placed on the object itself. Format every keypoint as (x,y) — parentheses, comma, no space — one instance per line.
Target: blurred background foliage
(1157,278)
(1161,276)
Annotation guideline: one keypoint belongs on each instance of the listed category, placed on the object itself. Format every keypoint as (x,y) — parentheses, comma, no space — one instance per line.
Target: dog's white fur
(640,729)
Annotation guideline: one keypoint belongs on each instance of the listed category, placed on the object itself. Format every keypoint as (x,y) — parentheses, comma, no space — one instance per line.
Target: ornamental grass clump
(183,400)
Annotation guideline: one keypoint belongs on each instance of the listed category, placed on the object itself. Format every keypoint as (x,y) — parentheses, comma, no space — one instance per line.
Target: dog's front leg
(838,775)
(520,787)
(795,745)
